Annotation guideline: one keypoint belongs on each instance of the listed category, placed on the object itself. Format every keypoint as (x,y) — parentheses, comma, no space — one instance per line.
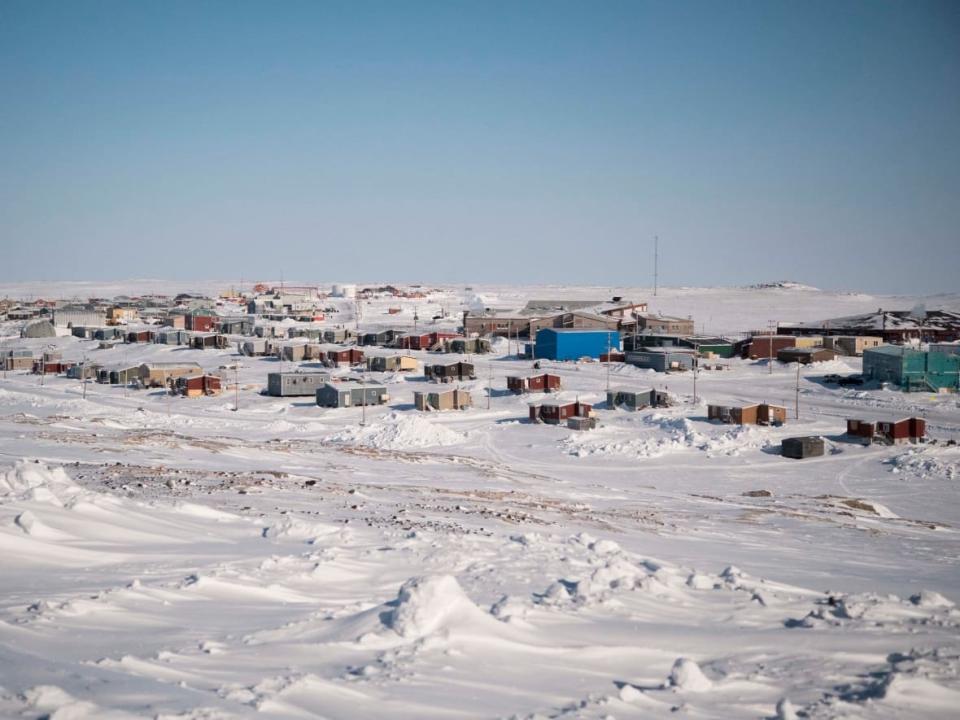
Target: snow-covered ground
(171,558)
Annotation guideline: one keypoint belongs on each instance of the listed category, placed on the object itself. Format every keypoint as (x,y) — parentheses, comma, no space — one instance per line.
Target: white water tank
(344,291)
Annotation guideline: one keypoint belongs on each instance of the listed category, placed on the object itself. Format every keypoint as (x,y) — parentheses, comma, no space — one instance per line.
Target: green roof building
(911,369)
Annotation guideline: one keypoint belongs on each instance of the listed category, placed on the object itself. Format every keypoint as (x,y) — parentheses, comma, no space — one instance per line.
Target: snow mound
(428,604)
(931,599)
(399,431)
(687,675)
(36,481)
(297,529)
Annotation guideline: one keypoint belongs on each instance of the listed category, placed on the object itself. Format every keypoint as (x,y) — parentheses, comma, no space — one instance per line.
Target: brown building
(442,400)
(544,382)
(756,414)
(345,356)
(556,412)
(766,346)
(900,431)
(197,385)
(805,356)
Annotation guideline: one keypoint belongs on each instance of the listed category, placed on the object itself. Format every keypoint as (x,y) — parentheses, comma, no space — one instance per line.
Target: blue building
(572,344)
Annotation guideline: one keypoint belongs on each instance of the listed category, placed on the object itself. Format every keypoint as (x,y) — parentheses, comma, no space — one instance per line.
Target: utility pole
(608,361)
(489,382)
(770,344)
(363,392)
(236,386)
(797,411)
(656,263)
(696,369)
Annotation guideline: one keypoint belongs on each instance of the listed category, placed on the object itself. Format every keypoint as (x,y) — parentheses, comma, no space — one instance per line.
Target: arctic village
(343,501)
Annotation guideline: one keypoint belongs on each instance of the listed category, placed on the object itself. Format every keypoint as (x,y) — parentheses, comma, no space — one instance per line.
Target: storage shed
(799,448)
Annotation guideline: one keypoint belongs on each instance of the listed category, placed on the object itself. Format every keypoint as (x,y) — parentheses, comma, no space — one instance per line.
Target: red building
(200,322)
(556,412)
(893,433)
(197,385)
(345,356)
(544,382)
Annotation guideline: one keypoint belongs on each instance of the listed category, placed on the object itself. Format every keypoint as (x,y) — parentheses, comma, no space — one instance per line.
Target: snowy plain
(171,558)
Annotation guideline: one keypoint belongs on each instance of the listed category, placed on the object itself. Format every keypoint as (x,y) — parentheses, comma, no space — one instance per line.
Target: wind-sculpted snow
(176,558)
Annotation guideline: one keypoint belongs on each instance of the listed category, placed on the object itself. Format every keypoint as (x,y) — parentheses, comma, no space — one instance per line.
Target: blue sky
(513,142)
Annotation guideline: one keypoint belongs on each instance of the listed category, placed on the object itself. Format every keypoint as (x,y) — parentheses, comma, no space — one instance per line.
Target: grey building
(172,337)
(351,394)
(637,399)
(802,447)
(295,384)
(661,359)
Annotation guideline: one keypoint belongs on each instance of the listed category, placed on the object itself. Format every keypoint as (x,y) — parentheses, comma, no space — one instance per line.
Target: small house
(380,337)
(17,359)
(456,399)
(311,333)
(392,363)
(175,336)
(293,352)
(208,341)
(141,336)
(295,384)
(755,414)
(799,448)
(464,346)
(252,348)
(201,321)
(911,430)
(158,374)
(235,326)
(84,371)
(556,412)
(543,382)
(337,335)
(198,385)
(351,394)
(448,373)
(108,333)
(637,399)
(345,356)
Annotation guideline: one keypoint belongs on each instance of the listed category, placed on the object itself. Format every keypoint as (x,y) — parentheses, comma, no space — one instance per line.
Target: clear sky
(513,142)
